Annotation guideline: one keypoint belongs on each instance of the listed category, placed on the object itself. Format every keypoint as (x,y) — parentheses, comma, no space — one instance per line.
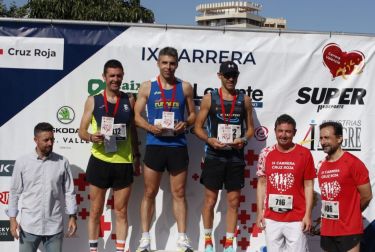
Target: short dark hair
(169,51)
(41,127)
(337,127)
(284,118)
(112,64)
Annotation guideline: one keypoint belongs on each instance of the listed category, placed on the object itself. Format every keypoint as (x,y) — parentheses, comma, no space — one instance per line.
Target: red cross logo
(79,198)
(251,157)
(254,183)
(247,173)
(104,226)
(195,176)
(255,230)
(81,182)
(222,241)
(243,243)
(111,202)
(254,207)
(242,198)
(243,217)
(83,213)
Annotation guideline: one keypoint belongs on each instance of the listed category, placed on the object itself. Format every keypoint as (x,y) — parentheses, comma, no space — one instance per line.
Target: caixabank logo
(352,132)
(342,64)
(6,167)
(5,234)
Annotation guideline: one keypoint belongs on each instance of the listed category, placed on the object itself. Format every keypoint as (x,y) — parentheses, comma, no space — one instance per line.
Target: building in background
(236,14)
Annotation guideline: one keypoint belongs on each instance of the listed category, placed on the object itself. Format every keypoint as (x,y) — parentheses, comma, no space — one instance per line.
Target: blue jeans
(30,242)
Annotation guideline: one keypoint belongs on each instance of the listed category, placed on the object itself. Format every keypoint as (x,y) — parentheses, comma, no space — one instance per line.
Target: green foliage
(90,10)
(95,10)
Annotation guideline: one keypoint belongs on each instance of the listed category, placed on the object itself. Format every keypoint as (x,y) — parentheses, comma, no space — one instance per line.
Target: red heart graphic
(342,63)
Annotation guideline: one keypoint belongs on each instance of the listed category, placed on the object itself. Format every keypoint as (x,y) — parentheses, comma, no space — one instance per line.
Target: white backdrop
(294,73)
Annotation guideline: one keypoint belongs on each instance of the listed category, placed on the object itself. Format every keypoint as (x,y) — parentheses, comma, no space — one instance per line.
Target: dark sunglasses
(231,75)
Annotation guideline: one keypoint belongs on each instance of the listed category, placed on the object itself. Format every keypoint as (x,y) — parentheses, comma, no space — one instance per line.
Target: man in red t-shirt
(285,190)
(345,191)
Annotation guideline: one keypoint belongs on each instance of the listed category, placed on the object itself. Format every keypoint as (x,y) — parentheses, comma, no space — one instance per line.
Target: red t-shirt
(338,182)
(285,174)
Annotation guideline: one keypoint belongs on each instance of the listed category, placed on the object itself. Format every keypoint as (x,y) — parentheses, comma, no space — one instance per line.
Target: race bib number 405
(330,210)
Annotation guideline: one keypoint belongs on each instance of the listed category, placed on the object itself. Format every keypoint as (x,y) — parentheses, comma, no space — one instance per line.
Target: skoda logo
(65,115)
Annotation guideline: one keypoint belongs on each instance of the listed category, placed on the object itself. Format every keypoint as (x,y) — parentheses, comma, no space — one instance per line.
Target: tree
(92,10)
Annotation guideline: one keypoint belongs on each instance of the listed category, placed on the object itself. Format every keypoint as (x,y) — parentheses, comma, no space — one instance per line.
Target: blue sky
(313,15)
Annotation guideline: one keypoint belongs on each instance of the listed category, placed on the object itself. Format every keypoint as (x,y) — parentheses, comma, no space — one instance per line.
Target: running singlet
(215,118)
(338,181)
(285,174)
(124,149)
(155,108)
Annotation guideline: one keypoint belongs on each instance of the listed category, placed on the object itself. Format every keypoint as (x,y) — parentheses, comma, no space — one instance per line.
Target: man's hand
(237,144)
(260,221)
(216,144)
(14,227)
(156,130)
(306,223)
(96,138)
(180,127)
(72,226)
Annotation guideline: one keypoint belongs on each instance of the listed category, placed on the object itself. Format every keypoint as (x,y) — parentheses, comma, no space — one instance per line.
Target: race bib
(119,130)
(330,210)
(106,127)
(110,144)
(280,203)
(167,121)
(226,133)
(165,132)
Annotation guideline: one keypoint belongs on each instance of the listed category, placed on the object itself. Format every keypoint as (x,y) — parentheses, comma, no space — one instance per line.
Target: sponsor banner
(6,167)
(31,53)
(5,234)
(313,77)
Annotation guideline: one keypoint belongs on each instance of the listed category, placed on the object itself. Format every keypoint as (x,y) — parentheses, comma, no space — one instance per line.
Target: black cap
(228,67)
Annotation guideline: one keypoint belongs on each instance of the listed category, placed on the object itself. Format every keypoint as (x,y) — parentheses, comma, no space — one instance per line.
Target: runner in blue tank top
(226,112)
(166,98)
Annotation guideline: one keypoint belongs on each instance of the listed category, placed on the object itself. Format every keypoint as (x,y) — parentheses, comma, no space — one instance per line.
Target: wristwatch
(73,216)
(244,140)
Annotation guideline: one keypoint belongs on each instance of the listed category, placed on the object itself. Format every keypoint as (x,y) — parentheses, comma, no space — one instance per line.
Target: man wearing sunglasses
(226,111)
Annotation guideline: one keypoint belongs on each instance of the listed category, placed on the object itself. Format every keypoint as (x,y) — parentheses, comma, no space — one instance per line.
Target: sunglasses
(231,75)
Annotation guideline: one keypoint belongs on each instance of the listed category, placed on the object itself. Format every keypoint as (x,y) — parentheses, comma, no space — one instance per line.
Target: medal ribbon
(165,105)
(223,108)
(106,104)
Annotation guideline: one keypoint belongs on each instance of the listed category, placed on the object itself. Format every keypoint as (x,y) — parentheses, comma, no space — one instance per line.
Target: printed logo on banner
(352,130)
(95,86)
(65,115)
(4,197)
(203,56)
(261,133)
(331,98)
(6,167)
(5,234)
(256,95)
(341,63)
(65,136)
(32,53)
